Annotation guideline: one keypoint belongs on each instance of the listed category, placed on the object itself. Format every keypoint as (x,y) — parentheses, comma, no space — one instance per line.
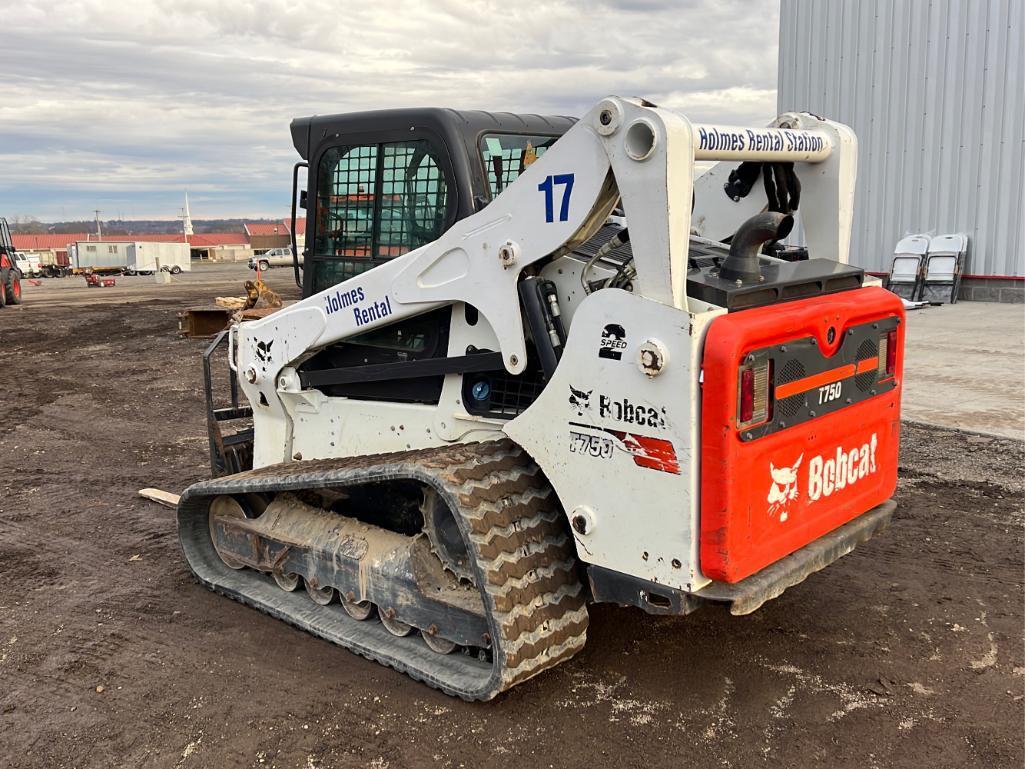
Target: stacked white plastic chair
(944,264)
(906,269)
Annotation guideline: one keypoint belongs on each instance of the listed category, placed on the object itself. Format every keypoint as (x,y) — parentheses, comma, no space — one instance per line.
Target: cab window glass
(413,199)
(345,201)
(506,155)
(375,202)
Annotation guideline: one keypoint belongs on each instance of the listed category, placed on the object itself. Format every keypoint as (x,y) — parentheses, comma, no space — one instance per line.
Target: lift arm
(622,148)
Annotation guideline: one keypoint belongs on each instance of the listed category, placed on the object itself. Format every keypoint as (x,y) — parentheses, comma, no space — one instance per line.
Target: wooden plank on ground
(165,498)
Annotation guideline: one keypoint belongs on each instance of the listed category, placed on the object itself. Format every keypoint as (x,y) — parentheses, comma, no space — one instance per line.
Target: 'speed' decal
(646,451)
(613,342)
(825,476)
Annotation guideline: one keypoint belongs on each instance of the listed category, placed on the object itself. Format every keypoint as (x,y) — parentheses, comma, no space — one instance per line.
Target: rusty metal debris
(205,322)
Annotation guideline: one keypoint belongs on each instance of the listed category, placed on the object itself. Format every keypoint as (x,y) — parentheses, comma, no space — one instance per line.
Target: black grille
(867,349)
(800,362)
(508,395)
(791,372)
(701,255)
(790,407)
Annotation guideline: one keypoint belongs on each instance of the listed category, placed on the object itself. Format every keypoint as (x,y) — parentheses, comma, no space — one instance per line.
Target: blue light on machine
(480,390)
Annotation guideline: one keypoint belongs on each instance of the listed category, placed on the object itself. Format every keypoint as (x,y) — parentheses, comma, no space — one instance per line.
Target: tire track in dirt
(908,652)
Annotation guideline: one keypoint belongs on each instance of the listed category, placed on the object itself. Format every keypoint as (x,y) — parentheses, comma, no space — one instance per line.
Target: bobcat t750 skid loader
(540,364)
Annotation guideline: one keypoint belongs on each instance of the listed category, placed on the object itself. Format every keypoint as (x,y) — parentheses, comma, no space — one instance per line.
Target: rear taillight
(755,403)
(747,394)
(887,354)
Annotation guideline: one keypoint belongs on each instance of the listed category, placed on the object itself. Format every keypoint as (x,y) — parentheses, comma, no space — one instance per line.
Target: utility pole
(99,232)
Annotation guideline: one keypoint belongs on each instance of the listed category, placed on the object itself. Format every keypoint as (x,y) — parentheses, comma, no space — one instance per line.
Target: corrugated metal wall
(935,90)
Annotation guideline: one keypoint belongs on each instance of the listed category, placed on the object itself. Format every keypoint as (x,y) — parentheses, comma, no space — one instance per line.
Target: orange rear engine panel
(825,452)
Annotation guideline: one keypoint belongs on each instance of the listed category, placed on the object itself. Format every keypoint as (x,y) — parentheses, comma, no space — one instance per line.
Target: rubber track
(510,518)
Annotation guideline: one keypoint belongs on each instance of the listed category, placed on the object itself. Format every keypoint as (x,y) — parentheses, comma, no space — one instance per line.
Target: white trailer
(149,257)
(131,257)
(100,256)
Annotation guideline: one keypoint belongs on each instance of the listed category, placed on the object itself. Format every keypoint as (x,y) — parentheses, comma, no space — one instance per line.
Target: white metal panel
(617,444)
(933,89)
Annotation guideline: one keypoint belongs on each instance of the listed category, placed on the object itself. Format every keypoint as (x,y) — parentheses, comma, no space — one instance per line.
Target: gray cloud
(105,102)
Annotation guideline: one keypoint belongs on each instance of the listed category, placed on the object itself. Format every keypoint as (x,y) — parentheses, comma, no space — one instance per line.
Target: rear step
(522,561)
(749,594)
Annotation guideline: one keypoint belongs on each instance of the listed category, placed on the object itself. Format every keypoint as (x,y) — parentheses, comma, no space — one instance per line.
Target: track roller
(287,582)
(436,644)
(320,595)
(358,610)
(394,626)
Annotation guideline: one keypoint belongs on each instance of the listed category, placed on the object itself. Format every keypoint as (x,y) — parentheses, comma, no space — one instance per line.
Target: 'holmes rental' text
(351,299)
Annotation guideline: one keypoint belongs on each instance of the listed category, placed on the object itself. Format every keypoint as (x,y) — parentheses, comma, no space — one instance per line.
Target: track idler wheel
(225,507)
(443,533)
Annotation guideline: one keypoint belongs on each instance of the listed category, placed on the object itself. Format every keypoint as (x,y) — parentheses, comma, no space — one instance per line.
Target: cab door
(374,200)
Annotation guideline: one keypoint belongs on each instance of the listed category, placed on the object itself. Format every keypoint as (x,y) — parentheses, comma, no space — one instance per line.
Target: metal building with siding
(935,90)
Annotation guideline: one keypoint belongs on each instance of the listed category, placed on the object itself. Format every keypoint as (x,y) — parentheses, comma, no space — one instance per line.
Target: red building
(257,237)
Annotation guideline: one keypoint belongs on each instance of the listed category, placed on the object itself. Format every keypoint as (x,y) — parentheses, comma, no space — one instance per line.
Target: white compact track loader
(540,363)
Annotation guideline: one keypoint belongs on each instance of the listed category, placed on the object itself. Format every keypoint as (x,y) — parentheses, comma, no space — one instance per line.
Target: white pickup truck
(276,257)
(27,264)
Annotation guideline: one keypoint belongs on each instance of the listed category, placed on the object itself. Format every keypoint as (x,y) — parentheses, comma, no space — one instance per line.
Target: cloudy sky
(123,105)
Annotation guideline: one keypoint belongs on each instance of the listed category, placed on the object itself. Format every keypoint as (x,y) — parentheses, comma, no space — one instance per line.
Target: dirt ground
(907,653)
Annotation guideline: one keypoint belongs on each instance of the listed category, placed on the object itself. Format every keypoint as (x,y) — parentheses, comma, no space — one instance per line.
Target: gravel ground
(907,653)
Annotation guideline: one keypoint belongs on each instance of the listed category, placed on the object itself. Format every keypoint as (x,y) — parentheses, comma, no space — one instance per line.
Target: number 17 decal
(548,188)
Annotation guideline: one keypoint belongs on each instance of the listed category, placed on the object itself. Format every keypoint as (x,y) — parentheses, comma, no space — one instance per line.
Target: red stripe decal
(653,453)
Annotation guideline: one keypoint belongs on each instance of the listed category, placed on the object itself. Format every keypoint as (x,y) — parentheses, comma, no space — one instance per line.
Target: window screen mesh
(345,201)
(375,202)
(413,190)
(506,155)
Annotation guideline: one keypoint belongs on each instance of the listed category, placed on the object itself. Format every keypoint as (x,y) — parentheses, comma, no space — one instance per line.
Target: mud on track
(907,653)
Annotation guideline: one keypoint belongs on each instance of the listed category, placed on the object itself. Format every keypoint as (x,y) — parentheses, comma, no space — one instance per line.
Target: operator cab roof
(456,126)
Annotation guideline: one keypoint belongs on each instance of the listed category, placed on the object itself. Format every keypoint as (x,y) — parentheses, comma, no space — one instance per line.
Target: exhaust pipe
(742,263)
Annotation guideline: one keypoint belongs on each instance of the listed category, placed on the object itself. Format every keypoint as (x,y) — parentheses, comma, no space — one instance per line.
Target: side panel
(617,445)
(812,467)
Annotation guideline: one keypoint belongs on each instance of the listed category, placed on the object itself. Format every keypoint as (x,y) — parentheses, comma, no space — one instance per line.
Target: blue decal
(352,299)
(341,300)
(375,311)
(548,188)
(743,140)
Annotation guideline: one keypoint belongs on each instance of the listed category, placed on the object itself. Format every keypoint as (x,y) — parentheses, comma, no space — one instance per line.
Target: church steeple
(187,219)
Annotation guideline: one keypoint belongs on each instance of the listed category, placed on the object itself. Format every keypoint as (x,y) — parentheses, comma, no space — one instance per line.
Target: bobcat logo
(784,488)
(580,400)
